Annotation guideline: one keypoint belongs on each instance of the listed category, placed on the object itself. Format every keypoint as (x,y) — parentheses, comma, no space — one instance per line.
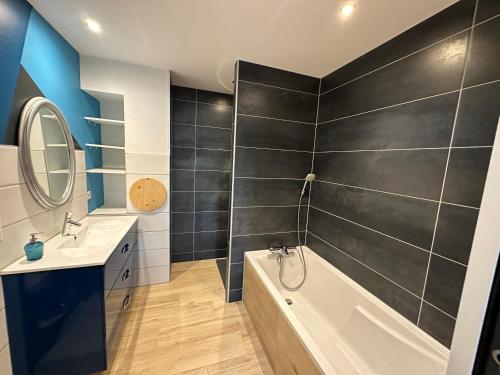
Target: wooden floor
(185,327)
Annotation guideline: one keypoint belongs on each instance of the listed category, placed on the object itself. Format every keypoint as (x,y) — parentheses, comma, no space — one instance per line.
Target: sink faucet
(66,228)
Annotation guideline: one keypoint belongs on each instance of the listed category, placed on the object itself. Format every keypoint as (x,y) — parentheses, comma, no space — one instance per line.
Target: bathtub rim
(315,352)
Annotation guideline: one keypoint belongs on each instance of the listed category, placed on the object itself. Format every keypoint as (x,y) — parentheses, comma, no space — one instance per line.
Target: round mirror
(46,152)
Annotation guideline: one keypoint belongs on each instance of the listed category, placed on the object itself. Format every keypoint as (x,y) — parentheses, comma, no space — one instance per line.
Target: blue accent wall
(54,66)
(14,15)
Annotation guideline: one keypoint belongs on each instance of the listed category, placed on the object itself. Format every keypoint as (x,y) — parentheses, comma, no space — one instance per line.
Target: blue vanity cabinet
(68,322)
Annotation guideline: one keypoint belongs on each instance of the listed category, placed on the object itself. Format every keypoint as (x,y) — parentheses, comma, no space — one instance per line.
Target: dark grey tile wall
(404,138)
(274,140)
(201,133)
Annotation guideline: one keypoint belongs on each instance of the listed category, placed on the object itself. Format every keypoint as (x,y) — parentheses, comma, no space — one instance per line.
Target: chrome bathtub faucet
(67,223)
(281,252)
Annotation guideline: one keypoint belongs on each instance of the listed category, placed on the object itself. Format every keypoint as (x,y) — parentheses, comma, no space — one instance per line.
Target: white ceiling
(199,40)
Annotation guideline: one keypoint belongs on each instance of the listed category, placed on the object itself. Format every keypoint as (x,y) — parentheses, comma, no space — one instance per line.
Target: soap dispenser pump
(34,249)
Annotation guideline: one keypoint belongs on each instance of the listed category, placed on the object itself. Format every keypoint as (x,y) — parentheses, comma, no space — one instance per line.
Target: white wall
(146,93)
(21,215)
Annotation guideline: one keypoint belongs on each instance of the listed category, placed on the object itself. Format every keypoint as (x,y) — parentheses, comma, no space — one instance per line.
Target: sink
(90,239)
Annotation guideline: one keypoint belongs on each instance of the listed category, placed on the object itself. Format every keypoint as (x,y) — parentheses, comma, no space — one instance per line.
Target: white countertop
(55,259)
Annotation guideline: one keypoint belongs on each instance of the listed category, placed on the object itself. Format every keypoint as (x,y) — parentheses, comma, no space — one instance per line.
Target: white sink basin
(90,239)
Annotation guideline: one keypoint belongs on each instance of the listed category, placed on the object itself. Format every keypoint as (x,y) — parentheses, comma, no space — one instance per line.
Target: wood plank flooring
(185,327)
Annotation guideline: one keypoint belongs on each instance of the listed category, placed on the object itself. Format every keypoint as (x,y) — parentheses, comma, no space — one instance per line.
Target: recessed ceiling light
(93,25)
(346,9)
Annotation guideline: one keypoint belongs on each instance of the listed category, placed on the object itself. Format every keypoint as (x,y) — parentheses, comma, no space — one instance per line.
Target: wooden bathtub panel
(285,351)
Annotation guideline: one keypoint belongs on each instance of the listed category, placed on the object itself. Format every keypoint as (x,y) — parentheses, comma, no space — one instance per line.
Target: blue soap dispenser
(34,249)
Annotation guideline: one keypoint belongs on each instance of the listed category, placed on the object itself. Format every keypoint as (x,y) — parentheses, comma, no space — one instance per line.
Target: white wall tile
(5,365)
(153,240)
(153,258)
(80,185)
(164,179)
(156,275)
(17,203)
(4,336)
(80,161)
(153,222)
(11,171)
(15,236)
(147,163)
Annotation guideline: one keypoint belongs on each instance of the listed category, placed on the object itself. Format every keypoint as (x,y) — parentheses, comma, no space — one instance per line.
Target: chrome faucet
(66,228)
(281,252)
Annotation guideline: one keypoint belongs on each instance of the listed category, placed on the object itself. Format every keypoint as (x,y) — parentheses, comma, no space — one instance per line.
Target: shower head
(310,177)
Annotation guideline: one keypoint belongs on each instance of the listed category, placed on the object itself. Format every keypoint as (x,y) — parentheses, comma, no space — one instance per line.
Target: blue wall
(54,66)
(14,15)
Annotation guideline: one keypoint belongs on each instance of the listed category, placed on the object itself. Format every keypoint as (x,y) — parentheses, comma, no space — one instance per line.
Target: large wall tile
(182,135)
(266,220)
(212,97)
(399,299)
(147,163)
(267,192)
(429,72)
(11,171)
(153,222)
(183,112)
(402,263)
(210,221)
(478,116)
(416,173)
(183,257)
(182,222)
(153,240)
(153,258)
(182,202)
(484,54)
(183,158)
(452,20)
(487,9)
(411,220)
(251,162)
(425,123)
(444,284)
(182,242)
(213,138)
(212,201)
(214,115)
(437,324)
(265,101)
(16,204)
(276,77)
(213,160)
(182,180)
(269,133)
(210,254)
(183,93)
(153,275)
(212,181)
(236,276)
(210,240)
(466,175)
(455,231)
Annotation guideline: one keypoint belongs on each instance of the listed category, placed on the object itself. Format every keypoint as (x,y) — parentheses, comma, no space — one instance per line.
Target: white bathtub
(344,328)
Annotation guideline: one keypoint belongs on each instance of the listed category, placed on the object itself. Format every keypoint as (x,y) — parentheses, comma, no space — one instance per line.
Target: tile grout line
(312,161)
(203,148)
(371,229)
(278,87)
(196,101)
(466,60)
(264,234)
(194,177)
(402,149)
(389,106)
(274,149)
(403,57)
(276,119)
(201,126)
(233,168)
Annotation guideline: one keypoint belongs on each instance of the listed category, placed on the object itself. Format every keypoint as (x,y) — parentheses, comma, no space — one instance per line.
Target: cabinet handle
(126,302)
(126,275)
(124,249)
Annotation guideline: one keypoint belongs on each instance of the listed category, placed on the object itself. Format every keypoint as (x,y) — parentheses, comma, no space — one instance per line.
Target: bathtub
(342,328)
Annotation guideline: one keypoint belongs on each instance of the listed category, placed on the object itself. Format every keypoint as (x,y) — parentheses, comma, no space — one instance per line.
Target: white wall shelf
(105,146)
(106,170)
(105,121)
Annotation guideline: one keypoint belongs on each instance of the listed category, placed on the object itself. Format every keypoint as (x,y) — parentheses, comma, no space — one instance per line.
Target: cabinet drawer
(122,252)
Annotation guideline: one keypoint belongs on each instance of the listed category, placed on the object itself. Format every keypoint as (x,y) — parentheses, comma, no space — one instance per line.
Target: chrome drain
(288,301)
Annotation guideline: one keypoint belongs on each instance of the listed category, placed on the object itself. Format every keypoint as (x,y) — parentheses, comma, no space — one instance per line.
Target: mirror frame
(28,114)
